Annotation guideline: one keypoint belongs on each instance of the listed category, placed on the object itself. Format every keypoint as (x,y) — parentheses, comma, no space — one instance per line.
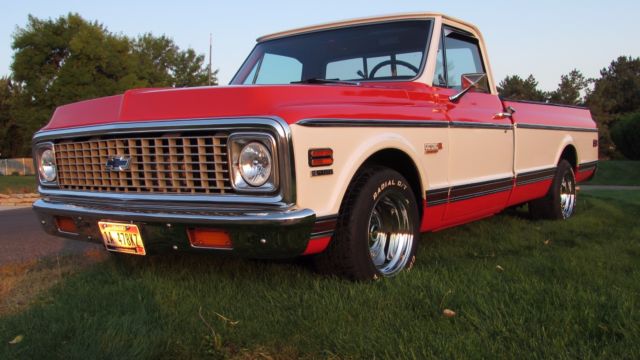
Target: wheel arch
(401,162)
(569,153)
(397,160)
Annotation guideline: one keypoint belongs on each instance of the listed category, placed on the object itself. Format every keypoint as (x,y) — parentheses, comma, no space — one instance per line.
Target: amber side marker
(66,224)
(320,157)
(209,238)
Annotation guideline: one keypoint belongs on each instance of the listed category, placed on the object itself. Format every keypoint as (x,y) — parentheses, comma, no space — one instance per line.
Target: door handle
(507,113)
(502,115)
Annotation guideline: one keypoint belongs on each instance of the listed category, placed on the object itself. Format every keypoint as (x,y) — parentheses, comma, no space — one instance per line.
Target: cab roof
(364,20)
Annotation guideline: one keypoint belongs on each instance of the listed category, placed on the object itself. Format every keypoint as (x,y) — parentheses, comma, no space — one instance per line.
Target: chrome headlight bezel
(236,143)
(45,152)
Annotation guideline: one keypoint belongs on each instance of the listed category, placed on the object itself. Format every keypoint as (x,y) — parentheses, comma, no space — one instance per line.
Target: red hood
(290,102)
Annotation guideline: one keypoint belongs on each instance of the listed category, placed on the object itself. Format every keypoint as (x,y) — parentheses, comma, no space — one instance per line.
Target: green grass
(617,172)
(17,184)
(567,290)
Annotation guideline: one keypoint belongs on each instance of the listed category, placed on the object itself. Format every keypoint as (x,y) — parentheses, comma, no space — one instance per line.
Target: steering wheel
(390,62)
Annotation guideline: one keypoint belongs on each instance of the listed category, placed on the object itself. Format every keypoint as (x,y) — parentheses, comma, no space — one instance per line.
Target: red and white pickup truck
(345,141)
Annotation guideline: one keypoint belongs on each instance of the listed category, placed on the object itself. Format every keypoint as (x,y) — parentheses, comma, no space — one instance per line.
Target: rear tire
(560,201)
(377,230)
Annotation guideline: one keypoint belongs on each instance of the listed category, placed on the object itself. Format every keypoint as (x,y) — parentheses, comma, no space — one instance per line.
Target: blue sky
(543,37)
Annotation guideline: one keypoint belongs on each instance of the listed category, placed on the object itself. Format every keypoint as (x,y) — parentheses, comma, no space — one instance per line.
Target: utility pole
(210,50)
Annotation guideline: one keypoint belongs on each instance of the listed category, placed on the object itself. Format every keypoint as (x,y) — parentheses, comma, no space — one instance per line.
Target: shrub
(626,135)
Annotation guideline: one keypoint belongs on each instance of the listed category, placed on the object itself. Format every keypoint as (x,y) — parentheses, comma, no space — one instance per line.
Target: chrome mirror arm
(456,97)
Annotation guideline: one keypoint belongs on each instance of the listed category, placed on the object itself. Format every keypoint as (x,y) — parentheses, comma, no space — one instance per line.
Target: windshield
(385,51)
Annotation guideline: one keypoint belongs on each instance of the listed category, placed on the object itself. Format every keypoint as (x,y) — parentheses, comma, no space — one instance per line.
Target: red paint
(290,102)
(551,115)
(432,216)
(584,175)
(474,208)
(392,101)
(524,193)
(317,245)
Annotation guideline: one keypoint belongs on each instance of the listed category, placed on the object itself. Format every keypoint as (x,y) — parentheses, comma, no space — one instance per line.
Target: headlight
(255,164)
(47,165)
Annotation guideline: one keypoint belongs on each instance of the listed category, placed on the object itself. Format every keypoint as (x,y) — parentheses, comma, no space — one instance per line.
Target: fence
(20,166)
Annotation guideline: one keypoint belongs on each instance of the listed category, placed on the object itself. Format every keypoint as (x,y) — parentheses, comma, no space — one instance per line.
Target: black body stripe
(401,123)
(535,176)
(588,165)
(549,127)
(324,226)
(464,192)
(469,191)
(437,196)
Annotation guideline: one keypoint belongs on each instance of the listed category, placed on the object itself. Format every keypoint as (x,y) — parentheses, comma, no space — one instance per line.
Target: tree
(570,89)
(626,135)
(162,63)
(515,88)
(615,94)
(69,59)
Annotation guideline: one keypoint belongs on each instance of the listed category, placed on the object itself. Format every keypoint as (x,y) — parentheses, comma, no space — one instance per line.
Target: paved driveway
(21,238)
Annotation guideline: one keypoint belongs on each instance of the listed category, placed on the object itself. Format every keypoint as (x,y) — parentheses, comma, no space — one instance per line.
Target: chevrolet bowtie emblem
(118,163)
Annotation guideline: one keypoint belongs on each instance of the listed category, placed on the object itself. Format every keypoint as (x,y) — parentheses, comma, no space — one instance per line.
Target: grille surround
(159,164)
(283,197)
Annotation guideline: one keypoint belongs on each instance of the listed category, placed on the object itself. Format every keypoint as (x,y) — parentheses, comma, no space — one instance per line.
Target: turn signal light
(320,157)
(209,238)
(66,224)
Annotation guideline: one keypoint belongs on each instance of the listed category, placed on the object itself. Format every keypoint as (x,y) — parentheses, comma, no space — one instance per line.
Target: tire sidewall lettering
(388,184)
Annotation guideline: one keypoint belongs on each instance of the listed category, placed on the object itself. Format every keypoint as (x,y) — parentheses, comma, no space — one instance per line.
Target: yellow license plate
(121,237)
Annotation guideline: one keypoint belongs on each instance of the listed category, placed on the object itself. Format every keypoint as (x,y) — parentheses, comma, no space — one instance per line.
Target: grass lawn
(617,172)
(17,184)
(521,289)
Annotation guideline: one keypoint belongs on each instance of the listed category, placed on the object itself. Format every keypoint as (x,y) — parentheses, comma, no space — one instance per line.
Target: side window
(461,56)
(276,69)
(440,77)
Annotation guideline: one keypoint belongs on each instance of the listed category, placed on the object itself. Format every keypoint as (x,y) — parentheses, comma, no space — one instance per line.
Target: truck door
(480,141)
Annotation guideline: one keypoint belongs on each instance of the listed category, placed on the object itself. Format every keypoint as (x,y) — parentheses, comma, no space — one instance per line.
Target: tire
(371,241)
(560,201)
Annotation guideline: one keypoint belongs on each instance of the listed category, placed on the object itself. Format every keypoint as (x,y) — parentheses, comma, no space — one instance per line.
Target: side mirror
(470,82)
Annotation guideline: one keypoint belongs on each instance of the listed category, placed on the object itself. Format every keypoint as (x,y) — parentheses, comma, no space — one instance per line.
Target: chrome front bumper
(255,232)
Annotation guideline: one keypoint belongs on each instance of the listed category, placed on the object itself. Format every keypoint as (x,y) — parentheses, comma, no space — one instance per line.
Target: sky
(543,37)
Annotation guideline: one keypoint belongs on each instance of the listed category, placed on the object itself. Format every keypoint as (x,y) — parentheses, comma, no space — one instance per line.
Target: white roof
(365,20)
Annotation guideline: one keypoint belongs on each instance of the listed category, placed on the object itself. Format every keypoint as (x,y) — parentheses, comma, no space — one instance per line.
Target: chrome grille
(162,164)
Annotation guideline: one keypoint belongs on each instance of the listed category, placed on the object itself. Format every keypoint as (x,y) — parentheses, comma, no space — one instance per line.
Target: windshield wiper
(325,81)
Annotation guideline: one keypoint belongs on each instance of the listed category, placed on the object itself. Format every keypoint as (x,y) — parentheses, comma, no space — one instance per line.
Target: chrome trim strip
(241,218)
(475,125)
(549,127)
(326,122)
(417,123)
(274,125)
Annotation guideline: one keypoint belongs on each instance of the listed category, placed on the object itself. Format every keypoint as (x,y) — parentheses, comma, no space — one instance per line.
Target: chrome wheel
(567,195)
(390,233)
